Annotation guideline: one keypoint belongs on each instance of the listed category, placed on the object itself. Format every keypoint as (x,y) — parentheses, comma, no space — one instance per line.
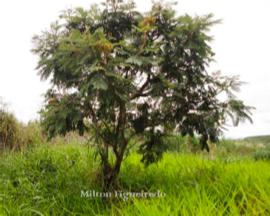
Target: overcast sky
(242,46)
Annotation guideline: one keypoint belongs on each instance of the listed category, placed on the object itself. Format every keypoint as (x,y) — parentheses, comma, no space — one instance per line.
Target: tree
(121,73)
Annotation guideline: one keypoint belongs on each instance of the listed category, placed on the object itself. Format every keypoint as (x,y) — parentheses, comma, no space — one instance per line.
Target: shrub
(31,134)
(9,130)
(174,143)
(15,135)
(262,155)
(179,143)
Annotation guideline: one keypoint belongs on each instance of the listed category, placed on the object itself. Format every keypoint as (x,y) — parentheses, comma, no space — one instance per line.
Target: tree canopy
(121,73)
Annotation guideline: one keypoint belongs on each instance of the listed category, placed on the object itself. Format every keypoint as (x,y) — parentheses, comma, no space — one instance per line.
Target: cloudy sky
(242,45)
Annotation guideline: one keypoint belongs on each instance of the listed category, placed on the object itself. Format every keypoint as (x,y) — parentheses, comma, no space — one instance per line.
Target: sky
(241,43)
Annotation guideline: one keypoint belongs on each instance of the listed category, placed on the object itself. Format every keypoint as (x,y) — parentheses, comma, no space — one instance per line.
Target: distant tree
(121,73)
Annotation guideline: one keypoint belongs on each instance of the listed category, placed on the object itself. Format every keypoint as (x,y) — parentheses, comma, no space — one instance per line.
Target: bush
(174,143)
(15,135)
(31,134)
(262,155)
(9,131)
(178,143)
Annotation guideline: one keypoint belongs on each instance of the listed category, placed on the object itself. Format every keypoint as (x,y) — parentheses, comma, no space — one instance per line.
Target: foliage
(262,154)
(31,134)
(16,136)
(121,73)
(38,180)
(9,129)
(175,143)
(48,181)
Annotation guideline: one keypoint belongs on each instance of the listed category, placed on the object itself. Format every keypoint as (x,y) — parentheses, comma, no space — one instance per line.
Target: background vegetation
(15,135)
(47,179)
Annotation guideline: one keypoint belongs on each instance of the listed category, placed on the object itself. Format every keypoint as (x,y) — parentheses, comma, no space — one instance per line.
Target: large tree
(121,73)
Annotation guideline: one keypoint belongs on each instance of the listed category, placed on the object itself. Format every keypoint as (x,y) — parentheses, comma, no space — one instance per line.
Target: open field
(49,180)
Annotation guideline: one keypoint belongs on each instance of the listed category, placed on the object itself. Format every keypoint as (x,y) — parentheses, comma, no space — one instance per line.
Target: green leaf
(99,83)
(136,60)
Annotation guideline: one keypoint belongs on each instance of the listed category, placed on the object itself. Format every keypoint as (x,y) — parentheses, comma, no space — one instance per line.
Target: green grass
(48,181)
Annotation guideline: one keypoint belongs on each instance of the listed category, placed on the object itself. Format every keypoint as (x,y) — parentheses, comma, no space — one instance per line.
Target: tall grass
(15,135)
(196,186)
(48,180)
(9,131)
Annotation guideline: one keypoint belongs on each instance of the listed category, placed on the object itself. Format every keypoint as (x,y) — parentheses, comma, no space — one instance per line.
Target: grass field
(48,180)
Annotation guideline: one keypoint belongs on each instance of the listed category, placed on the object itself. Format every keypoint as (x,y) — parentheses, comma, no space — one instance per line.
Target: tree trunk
(110,174)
